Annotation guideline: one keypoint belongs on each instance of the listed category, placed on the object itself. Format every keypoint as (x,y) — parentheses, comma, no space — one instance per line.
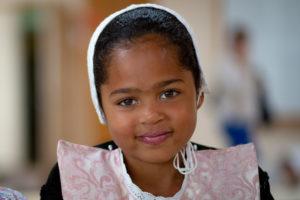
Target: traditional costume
(100,173)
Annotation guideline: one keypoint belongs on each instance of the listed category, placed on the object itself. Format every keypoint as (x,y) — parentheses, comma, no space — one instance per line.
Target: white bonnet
(94,38)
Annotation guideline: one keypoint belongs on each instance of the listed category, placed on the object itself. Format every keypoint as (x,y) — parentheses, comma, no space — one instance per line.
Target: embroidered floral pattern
(93,173)
(225,174)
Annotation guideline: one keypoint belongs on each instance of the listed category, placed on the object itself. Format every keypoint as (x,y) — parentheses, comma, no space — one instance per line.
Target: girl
(147,85)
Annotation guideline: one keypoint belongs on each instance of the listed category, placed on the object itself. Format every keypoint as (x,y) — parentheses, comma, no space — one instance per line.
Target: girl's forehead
(144,58)
(145,51)
(145,40)
(150,45)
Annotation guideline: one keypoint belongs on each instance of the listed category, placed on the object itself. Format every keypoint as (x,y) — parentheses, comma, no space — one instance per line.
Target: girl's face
(149,100)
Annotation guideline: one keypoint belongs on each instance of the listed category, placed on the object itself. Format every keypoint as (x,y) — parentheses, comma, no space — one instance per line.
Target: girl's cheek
(185,107)
(121,122)
(184,112)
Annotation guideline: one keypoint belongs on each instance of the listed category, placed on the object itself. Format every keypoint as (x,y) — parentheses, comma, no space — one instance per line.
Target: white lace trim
(141,195)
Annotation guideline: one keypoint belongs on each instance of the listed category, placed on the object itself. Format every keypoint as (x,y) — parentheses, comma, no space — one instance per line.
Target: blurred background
(44,92)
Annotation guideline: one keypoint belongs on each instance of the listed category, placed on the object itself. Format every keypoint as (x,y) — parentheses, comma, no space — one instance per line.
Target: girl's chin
(155,157)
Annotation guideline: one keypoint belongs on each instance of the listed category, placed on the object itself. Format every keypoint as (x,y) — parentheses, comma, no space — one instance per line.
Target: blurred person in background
(242,97)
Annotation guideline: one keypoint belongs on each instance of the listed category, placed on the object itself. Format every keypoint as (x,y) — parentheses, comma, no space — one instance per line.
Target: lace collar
(141,195)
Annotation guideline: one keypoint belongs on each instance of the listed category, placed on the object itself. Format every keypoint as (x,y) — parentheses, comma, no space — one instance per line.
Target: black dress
(51,190)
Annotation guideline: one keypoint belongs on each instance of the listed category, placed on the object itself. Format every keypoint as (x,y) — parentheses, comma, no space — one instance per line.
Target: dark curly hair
(135,23)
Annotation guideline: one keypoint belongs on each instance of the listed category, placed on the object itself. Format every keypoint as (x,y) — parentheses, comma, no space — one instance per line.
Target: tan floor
(275,146)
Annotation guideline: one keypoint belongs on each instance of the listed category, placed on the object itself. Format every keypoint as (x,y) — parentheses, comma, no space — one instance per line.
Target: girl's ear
(200,100)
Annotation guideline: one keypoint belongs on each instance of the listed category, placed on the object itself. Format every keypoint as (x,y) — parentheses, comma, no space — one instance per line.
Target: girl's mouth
(154,138)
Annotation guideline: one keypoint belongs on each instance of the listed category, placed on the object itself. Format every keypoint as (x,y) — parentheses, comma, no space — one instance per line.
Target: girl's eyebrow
(167,82)
(124,91)
(136,90)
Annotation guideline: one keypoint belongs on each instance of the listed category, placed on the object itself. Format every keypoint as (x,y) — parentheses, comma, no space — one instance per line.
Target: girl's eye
(127,102)
(169,94)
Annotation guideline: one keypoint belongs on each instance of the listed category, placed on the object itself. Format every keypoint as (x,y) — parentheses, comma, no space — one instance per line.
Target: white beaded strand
(188,157)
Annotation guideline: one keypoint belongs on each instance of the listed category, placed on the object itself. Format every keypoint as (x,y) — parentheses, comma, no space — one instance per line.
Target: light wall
(12,116)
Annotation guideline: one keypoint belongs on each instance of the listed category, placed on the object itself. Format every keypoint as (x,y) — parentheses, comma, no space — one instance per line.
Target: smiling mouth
(154,138)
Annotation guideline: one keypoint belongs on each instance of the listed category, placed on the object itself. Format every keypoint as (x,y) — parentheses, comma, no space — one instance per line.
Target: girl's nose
(151,114)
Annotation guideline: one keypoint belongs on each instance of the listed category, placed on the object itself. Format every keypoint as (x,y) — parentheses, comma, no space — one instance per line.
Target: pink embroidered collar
(93,173)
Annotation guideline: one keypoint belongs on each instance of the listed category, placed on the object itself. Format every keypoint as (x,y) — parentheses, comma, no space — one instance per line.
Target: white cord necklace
(188,157)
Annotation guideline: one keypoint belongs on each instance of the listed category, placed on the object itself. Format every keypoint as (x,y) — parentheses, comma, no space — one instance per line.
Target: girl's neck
(159,179)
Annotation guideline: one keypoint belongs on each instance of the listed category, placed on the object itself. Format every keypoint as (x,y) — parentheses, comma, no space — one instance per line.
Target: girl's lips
(154,138)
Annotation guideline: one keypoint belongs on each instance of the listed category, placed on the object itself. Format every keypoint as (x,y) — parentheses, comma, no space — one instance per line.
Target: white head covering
(100,28)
